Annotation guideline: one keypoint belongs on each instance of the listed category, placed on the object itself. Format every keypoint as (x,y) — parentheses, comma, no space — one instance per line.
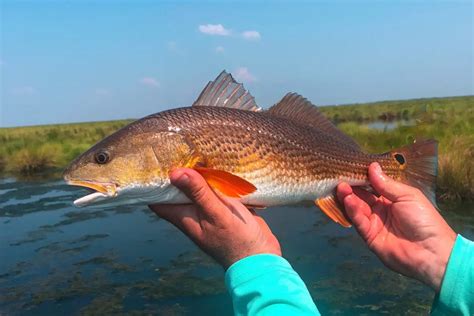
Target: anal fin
(333,210)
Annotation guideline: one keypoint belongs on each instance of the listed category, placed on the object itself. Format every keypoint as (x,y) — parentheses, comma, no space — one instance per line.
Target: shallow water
(389,125)
(57,259)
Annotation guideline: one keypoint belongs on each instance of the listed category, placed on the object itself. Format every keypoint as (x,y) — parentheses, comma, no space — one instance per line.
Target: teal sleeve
(456,296)
(266,284)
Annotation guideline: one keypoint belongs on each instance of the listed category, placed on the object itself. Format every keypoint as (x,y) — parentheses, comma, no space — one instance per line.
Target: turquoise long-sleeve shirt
(456,296)
(266,284)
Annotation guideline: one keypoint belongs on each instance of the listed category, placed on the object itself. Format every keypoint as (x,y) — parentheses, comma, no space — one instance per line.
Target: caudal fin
(421,160)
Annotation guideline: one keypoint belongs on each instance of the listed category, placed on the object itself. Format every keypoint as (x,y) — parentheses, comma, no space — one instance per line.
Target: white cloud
(2,62)
(242,74)
(220,49)
(150,81)
(24,90)
(102,92)
(214,29)
(251,35)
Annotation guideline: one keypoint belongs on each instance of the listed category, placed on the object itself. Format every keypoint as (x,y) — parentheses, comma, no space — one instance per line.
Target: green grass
(36,149)
(426,108)
(448,120)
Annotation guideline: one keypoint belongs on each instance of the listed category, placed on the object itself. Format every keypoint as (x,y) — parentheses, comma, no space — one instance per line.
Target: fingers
(343,190)
(193,185)
(171,212)
(385,185)
(357,210)
(182,216)
(366,196)
(236,207)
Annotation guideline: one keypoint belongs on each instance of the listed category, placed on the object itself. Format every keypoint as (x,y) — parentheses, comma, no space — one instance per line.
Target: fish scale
(273,140)
(288,154)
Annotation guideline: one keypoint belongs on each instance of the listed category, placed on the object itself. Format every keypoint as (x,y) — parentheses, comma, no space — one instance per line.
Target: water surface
(57,259)
(389,125)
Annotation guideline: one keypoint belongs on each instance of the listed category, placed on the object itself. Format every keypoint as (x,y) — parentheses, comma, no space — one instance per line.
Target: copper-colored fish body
(273,153)
(285,155)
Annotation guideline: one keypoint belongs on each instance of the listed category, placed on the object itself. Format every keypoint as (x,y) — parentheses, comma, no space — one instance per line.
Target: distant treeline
(45,149)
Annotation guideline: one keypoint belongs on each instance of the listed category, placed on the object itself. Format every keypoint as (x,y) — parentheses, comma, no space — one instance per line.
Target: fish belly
(267,193)
(274,194)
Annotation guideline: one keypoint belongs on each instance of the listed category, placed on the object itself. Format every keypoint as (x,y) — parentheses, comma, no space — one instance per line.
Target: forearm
(456,296)
(267,284)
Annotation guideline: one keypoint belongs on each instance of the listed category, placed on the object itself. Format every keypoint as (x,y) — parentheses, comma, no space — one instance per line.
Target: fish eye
(400,158)
(102,157)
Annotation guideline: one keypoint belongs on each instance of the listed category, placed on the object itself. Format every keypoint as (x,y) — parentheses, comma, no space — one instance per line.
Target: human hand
(222,227)
(401,227)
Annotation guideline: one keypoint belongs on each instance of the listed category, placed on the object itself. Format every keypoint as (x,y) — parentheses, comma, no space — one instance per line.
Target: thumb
(386,186)
(193,185)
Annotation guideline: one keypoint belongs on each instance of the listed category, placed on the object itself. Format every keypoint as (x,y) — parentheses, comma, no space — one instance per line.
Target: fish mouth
(102,191)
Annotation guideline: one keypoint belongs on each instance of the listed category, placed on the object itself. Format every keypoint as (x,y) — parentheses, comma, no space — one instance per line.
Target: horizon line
(328,105)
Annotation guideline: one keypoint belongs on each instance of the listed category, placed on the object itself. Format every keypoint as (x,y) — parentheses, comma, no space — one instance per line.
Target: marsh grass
(448,120)
(456,170)
(32,150)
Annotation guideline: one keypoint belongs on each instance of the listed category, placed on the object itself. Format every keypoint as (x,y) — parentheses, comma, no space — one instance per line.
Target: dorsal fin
(295,107)
(224,91)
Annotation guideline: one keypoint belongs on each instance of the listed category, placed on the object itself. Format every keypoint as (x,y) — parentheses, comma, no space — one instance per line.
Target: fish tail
(419,164)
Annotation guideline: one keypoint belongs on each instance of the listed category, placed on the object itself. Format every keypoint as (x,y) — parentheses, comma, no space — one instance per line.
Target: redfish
(285,155)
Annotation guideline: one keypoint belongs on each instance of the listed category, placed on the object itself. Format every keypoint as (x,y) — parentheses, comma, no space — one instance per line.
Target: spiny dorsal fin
(295,107)
(224,91)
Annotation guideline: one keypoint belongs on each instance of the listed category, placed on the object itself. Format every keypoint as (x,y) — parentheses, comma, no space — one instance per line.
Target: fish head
(129,166)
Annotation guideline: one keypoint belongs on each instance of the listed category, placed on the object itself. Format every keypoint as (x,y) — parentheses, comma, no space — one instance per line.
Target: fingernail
(378,169)
(346,186)
(348,197)
(179,177)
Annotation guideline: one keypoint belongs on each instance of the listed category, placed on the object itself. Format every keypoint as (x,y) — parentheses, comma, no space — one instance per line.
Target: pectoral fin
(331,208)
(227,183)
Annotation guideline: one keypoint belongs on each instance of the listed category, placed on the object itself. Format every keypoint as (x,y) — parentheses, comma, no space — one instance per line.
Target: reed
(456,170)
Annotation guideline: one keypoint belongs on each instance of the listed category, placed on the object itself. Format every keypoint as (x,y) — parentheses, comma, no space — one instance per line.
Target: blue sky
(76,61)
